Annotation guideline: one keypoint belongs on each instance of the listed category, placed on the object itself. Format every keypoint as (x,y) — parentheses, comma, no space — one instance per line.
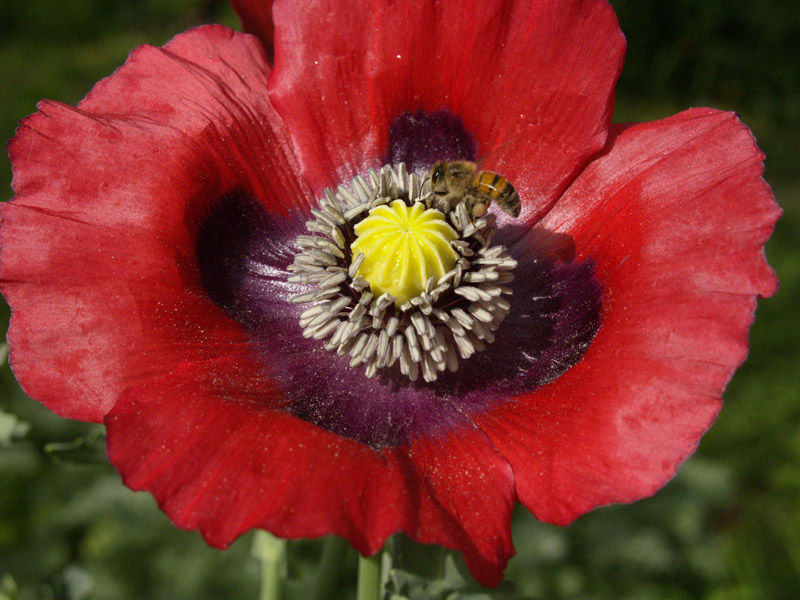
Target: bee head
(437,178)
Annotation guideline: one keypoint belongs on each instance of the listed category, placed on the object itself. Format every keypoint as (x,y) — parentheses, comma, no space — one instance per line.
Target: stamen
(397,276)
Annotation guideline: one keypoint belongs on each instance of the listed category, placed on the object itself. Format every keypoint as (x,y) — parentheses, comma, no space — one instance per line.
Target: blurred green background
(726,528)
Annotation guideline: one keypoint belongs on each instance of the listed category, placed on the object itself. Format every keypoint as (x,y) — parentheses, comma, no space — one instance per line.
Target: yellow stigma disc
(403,247)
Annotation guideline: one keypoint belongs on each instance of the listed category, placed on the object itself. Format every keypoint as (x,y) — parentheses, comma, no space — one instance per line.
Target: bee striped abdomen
(500,190)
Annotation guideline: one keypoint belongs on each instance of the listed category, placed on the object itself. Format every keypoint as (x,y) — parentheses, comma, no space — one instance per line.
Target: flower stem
(271,552)
(334,550)
(369,577)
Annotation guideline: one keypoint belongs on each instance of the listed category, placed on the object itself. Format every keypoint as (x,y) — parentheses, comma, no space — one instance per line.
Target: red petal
(473,488)
(98,261)
(206,442)
(256,18)
(528,79)
(675,215)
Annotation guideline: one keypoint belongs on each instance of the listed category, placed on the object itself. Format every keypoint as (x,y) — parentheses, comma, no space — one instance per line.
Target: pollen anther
(398,278)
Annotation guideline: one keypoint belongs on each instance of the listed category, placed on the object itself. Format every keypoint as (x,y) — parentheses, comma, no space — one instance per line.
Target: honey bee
(461,181)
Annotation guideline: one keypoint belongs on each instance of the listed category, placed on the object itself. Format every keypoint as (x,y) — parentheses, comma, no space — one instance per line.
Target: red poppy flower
(158,243)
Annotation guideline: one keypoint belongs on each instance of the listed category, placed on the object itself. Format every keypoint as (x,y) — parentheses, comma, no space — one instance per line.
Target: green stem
(334,550)
(369,577)
(271,552)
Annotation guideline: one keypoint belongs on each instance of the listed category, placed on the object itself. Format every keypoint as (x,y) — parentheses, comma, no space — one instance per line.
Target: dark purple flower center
(420,139)
(244,252)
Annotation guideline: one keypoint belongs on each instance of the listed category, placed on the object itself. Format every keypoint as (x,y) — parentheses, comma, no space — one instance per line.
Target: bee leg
(476,206)
(450,200)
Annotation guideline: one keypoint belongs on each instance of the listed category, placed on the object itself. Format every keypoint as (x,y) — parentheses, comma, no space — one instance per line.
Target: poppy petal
(98,247)
(529,80)
(675,215)
(209,444)
(256,18)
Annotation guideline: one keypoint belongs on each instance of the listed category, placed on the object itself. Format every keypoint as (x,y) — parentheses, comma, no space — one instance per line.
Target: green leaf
(86,449)
(8,588)
(11,429)
(452,583)
(3,353)
(76,583)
